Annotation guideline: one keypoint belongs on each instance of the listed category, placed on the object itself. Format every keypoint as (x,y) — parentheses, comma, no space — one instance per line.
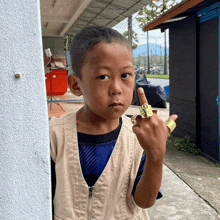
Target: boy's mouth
(116,104)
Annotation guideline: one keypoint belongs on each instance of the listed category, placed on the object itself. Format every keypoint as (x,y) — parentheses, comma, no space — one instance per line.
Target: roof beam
(49,18)
(78,9)
(48,32)
(172,13)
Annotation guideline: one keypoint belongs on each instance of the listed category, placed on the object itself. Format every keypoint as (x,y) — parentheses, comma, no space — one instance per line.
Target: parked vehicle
(140,71)
(156,72)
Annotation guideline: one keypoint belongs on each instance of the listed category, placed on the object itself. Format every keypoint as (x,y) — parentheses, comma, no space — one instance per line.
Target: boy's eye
(125,75)
(104,77)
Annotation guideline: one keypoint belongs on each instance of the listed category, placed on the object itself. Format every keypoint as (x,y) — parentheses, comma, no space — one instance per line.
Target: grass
(184,144)
(217,165)
(157,76)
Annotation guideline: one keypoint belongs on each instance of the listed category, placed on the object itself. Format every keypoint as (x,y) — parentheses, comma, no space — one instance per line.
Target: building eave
(171,13)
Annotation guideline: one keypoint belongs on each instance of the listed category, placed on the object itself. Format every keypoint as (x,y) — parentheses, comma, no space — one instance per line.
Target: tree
(134,39)
(154,9)
(67,41)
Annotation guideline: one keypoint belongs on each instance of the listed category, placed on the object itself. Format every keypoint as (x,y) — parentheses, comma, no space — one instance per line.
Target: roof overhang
(60,17)
(177,13)
(168,15)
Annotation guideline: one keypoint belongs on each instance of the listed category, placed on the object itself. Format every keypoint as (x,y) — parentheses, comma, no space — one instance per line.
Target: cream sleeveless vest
(110,198)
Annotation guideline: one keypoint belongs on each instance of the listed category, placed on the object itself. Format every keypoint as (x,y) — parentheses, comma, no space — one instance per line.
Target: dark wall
(208,84)
(183,76)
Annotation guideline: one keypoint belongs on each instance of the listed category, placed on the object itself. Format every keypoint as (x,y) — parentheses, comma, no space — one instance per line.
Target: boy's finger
(173,117)
(142,97)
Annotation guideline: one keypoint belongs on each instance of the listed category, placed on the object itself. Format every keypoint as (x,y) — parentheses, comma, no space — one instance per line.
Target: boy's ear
(74,85)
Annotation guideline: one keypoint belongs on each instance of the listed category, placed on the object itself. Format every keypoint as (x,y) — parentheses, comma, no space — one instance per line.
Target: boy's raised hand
(151,132)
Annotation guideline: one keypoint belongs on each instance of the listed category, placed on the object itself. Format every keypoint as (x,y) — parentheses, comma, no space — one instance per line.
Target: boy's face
(107,80)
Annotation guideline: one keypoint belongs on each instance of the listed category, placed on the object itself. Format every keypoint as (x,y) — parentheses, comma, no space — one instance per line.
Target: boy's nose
(115,89)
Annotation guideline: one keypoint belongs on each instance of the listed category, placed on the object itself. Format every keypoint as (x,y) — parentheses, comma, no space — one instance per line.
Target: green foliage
(171,138)
(217,165)
(185,145)
(154,9)
(67,41)
(157,76)
(214,176)
(134,39)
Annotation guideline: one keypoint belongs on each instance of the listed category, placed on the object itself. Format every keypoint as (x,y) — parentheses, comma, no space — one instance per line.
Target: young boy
(99,157)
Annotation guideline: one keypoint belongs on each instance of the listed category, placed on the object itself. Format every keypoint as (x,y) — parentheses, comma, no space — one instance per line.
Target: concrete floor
(191,188)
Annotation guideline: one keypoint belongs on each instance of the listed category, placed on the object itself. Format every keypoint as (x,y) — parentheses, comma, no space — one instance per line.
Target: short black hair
(87,38)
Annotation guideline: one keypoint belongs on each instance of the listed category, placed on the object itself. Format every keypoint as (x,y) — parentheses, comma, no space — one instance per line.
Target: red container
(56,81)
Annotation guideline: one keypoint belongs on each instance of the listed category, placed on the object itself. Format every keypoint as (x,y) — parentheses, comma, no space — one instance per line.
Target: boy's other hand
(151,132)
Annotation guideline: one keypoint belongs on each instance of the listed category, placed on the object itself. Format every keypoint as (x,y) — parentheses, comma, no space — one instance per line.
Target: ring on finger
(146,111)
(170,124)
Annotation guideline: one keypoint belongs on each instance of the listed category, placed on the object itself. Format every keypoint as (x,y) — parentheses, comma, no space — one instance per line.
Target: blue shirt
(94,152)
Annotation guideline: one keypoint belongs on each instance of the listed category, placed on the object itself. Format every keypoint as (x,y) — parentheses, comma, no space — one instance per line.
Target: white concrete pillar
(24,142)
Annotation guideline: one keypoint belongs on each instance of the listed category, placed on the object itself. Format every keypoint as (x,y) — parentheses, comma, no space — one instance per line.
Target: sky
(155,36)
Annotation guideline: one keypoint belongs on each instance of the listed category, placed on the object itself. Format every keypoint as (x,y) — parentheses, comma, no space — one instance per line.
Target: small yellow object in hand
(170,124)
(146,111)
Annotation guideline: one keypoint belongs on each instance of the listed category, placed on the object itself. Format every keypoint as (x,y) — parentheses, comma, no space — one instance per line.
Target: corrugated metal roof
(60,17)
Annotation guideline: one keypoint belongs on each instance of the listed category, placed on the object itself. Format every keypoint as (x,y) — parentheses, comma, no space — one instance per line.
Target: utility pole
(148,59)
(144,61)
(165,54)
(160,56)
(151,57)
(130,30)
